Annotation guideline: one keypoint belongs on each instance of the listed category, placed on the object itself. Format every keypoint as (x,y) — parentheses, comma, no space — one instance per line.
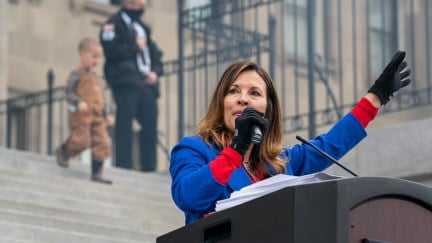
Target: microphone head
(256,135)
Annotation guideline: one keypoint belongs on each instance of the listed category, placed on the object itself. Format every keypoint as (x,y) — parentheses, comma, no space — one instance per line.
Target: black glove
(392,78)
(243,129)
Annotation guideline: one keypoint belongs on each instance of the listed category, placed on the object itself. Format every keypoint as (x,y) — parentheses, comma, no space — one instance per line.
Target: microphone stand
(325,154)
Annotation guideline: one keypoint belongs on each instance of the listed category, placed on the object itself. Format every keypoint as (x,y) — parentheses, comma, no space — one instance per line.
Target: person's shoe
(96,169)
(100,180)
(62,159)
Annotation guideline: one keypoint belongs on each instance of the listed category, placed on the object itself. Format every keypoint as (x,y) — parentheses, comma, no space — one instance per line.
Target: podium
(355,210)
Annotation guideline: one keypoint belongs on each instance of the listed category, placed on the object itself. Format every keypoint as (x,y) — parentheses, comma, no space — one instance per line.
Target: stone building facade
(39,35)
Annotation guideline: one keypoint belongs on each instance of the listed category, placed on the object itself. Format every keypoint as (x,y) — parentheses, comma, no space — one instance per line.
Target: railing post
(180,4)
(9,123)
(272,45)
(50,77)
(311,66)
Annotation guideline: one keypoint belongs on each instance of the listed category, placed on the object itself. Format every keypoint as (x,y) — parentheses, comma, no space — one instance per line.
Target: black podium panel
(346,210)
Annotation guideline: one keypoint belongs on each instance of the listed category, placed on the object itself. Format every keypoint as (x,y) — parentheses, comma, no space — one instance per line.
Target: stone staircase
(41,202)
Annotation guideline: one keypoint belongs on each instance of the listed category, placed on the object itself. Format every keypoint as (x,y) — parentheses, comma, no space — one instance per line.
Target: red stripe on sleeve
(364,112)
(223,166)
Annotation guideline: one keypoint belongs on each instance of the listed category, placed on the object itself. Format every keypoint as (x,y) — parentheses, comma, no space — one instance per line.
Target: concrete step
(29,162)
(9,240)
(143,220)
(61,224)
(153,215)
(35,233)
(81,189)
(41,202)
(67,215)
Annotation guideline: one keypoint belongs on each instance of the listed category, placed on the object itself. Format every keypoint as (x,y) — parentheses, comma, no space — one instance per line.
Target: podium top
(303,213)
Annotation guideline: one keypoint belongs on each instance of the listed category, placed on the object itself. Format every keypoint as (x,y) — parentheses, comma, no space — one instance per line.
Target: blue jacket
(195,191)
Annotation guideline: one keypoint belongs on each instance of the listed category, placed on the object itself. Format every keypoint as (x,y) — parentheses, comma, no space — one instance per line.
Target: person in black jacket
(133,64)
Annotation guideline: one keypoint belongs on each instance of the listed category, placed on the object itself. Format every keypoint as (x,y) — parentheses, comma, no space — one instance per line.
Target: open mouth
(238,113)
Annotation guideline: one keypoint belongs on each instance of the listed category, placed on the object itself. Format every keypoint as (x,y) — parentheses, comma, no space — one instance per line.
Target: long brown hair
(213,128)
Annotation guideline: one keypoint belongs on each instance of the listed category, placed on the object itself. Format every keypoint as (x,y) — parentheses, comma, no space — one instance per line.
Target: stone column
(4,5)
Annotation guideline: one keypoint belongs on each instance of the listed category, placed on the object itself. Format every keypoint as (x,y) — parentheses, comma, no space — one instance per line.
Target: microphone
(256,135)
(325,154)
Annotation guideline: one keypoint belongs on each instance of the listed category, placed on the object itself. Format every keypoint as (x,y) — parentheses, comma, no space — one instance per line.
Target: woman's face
(249,89)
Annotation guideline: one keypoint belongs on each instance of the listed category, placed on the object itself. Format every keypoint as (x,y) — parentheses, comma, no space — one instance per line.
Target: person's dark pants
(138,102)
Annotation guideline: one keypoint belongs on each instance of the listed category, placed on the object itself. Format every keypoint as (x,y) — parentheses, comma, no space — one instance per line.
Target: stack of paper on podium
(269,185)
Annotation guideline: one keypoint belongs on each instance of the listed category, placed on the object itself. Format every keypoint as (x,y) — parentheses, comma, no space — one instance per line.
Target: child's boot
(61,156)
(96,170)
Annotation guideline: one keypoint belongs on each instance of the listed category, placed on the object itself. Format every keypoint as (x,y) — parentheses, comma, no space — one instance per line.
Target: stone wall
(44,34)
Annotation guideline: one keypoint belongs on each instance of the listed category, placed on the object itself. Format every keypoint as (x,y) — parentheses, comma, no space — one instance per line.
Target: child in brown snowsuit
(88,119)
